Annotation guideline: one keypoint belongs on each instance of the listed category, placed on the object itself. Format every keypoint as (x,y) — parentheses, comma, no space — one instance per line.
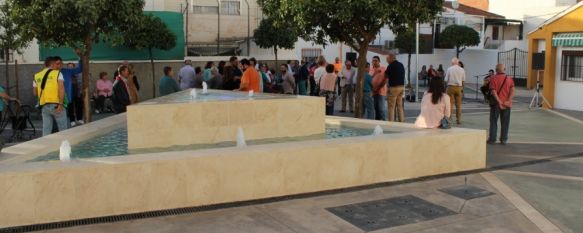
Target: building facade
(560,40)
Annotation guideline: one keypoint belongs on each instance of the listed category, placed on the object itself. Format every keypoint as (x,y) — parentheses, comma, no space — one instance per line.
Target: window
(572,66)
(227,8)
(213,10)
(311,54)
(230,8)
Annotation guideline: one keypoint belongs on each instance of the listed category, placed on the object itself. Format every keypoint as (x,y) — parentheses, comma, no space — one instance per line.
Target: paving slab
(243,219)
(559,200)
(533,126)
(511,222)
(554,168)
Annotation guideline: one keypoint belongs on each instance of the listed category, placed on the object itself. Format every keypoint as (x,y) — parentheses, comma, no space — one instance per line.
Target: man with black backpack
(49,86)
(500,98)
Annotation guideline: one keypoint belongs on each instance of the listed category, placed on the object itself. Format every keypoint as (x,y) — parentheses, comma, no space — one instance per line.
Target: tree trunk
(6,58)
(358,103)
(276,66)
(457,52)
(17,86)
(86,95)
(153,73)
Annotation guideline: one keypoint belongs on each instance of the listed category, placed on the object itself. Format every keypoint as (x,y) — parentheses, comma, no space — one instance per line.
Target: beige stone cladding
(209,122)
(32,193)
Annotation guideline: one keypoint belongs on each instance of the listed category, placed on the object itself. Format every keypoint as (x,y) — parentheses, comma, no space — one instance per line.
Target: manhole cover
(467,192)
(392,212)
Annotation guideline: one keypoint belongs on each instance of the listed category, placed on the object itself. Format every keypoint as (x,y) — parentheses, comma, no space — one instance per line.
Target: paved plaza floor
(533,184)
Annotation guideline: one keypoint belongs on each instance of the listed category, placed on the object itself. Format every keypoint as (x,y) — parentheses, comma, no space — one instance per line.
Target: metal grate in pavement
(392,212)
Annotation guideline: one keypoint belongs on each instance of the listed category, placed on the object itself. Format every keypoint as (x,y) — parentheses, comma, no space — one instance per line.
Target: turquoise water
(115,143)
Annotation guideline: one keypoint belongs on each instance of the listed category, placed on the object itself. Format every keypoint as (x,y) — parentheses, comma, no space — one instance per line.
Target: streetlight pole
(219,28)
(248,28)
(417,61)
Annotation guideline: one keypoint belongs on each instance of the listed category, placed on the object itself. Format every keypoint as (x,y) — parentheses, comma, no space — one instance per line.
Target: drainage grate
(467,192)
(392,212)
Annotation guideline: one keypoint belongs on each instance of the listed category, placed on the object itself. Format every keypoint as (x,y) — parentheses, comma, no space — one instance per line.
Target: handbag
(491,99)
(444,123)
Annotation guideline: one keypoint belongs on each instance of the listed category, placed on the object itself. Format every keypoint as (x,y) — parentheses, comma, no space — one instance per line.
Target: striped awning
(572,39)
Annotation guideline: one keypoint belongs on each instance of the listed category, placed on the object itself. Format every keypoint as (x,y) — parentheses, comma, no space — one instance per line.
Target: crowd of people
(60,99)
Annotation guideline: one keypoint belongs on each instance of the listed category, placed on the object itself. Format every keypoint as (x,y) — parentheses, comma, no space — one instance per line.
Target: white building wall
(568,94)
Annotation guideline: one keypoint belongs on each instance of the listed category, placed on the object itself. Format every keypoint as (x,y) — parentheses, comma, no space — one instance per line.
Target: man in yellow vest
(50,89)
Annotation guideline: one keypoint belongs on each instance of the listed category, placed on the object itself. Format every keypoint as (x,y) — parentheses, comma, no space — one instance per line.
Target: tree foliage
(275,36)
(149,32)
(405,42)
(460,37)
(10,37)
(352,22)
(76,24)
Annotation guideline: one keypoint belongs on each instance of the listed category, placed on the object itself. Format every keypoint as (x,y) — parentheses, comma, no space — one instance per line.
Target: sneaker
(73,124)
(503,143)
(490,142)
(80,122)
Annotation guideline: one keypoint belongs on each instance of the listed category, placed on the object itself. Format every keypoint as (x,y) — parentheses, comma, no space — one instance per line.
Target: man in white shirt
(320,71)
(347,86)
(455,78)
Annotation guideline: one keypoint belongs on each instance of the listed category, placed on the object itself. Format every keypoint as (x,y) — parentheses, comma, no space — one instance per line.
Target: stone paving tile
(243,220)
(574,114)
(559,200)
(533,126)
(511,222)
(555,168)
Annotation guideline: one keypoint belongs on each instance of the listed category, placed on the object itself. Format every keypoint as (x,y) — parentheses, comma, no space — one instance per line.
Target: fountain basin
(43,192)
(177,119)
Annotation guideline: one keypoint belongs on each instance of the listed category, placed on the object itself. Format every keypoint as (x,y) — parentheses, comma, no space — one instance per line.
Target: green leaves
(354,22)
(405,41)
(73,22)
(148,32)
(271,35)
(11,36)
(460,36)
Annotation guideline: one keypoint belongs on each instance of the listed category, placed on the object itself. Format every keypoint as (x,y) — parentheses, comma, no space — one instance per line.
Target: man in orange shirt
(337,70)
(250,79)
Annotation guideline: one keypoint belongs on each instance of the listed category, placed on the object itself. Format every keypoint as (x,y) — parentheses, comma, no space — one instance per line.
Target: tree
(271,35)
(405,41)
(460,37)
(352,22)
(10,39)
(76,24)
(149,32)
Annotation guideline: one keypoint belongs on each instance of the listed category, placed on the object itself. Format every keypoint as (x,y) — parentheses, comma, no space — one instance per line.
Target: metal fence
(516,62)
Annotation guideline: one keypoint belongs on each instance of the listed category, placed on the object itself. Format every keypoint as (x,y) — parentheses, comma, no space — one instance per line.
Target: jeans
(302,88)
(455,96)
(368,104)
(48,115)
(348,93)
(380,107)
(395,100)
(504,115)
